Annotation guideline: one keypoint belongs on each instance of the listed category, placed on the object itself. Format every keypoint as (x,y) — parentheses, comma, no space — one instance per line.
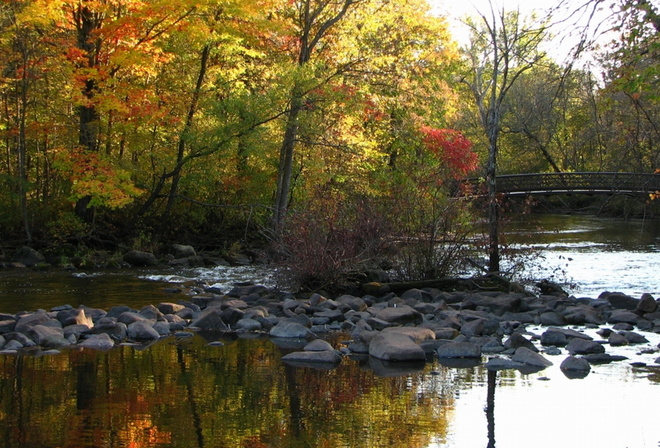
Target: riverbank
(459,328)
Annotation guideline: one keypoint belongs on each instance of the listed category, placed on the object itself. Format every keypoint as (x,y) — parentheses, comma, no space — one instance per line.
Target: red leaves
(452,148)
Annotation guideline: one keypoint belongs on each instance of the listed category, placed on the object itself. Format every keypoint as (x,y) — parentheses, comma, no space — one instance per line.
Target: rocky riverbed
(460,328)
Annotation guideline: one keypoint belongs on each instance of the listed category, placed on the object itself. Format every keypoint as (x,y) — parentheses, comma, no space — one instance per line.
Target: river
(237,392)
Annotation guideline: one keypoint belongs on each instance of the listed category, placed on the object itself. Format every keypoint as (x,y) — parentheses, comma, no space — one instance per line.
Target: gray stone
(116,330)
(170,308)
(517,340)
(583,347)
(623,316)
(634,338)
(416,334)
(402,314)
(528,357)
(575,363)
(318,345)
(28,257)
(151,312)
(210,320)
(502,364)
(47,337)
(30,320)
(13,345)
(247,324)
(74,317)
(162,328)
(551,318)
(142,331)
(354,303)
(459,350)
(647,304)
(617,340)
(321,357)
(288,329)
(7,325)
(395,347)
(98,342)
(182,251)
(140,258)
(553,337)
(620,300)
(473,328)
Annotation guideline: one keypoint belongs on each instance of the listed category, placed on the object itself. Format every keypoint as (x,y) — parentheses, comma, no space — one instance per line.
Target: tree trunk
(203,65)
(285,169)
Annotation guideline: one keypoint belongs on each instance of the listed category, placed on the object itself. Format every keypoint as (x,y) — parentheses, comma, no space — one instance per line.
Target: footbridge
(642,184)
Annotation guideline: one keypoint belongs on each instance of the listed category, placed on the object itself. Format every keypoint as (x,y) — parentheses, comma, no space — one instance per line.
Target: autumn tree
(502,47)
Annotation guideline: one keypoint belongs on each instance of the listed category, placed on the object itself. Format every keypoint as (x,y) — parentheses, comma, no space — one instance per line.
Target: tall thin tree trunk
(285,170)
(181,148)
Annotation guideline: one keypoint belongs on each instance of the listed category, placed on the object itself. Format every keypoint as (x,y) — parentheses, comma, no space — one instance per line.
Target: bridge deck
(583,182)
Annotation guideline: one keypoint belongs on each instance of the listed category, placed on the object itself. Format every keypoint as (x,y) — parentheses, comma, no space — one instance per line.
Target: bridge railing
(577,182)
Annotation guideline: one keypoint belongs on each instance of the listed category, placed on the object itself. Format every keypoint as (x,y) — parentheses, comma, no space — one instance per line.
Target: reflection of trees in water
(188,394)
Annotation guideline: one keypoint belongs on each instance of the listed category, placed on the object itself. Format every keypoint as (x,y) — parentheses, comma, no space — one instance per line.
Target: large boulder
(647,304)
(290,329)
(47,337)
(620,300)
(417,334)
(210,320)
(578,346)
(142,331)
(98,342)
(402,314)
(140,258)
(28,257)
(528,357)
(182,251)
(395,347)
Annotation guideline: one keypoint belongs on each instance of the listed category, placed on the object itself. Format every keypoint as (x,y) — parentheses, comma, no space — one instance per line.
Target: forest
(329,123)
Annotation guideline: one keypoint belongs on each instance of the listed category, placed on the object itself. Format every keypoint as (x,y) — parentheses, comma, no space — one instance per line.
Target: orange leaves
(92,175)
(452,148)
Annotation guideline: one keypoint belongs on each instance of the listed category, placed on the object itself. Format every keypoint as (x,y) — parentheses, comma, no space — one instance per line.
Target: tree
(313,20)
(502,47)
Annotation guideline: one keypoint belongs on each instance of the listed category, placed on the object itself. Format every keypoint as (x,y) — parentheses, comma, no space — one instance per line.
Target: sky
(560,48)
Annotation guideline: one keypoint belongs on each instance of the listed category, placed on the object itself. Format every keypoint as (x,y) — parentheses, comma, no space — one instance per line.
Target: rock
(634,338)
(553,337)
(98,342)
(322,357)
(116,330)
(502,364)
(517,340)
(47,337)
(354,303)
(528,357)
(647,304)
(623,316)
(620,301)
(7,325)
(210,320)
(551,318)
(497,305)
(288,329)
(76,331)
(402,314)
(395,347)
(170,308)
(583,347)
(617,340)
(30,320)
(473,328)
(603,358)
(74,317)
(318,345)
(151,312)
(142,331)
(416,334)
(459,350)
(248,324)
(28,257)
(182,251)
(140,258)
(575,363)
